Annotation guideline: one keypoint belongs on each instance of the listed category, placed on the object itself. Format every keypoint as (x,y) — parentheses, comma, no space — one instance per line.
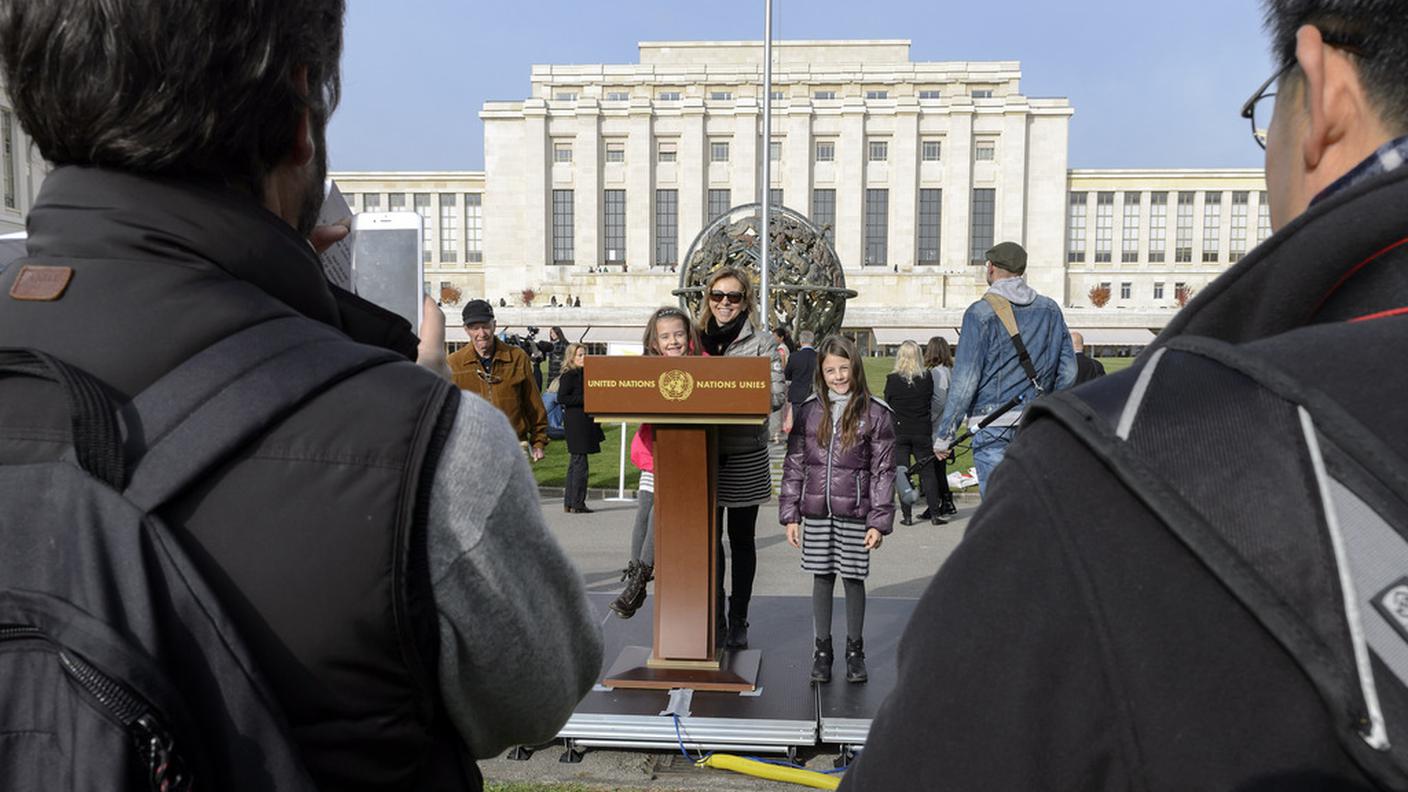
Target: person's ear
(302,148)
(1329,93)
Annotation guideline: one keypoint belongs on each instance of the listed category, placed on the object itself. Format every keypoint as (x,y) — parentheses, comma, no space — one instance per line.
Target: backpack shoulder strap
(1289,501)
(1003,308)
(195,416)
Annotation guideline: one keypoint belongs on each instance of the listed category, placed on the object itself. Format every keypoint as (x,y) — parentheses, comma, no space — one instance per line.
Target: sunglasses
(733,297)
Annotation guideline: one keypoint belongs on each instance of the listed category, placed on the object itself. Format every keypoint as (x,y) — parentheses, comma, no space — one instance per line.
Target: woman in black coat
(583,435)
(908,391)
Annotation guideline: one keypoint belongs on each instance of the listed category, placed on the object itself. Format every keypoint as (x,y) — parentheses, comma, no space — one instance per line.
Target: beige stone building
(22,170)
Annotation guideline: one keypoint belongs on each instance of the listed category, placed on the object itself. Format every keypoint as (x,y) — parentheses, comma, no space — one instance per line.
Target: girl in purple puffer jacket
(838,494)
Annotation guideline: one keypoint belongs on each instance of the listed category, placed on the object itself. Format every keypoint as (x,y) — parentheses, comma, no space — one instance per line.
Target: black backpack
(1304,518)
(118,667)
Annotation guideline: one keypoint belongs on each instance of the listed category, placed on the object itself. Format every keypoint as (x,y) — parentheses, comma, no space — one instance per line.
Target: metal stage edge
(785,714)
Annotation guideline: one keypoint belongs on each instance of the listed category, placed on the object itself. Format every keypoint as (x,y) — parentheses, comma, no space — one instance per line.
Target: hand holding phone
(387,266)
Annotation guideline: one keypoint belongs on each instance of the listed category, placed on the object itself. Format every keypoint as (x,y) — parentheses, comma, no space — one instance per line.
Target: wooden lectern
(686,399)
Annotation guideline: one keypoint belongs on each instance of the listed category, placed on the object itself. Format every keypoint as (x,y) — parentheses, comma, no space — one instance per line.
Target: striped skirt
(745,479)
(835,546)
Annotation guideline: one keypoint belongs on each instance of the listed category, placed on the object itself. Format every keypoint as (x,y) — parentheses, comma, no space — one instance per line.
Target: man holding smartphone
(503,375)
(380,547)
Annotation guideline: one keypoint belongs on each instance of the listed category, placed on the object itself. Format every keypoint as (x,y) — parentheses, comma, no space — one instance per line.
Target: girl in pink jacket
(669,333)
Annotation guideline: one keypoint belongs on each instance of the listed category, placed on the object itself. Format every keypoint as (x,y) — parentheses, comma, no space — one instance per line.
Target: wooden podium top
(715,390)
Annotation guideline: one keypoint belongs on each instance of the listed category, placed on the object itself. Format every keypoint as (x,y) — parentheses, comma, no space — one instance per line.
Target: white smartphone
(387,265)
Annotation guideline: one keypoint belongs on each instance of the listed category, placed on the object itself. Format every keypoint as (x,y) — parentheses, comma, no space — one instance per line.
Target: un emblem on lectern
(676,385)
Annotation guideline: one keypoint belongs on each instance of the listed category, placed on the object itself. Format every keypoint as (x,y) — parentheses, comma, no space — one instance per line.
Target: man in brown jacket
(501,374)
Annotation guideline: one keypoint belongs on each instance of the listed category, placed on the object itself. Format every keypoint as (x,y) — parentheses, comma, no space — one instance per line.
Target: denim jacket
(986,372)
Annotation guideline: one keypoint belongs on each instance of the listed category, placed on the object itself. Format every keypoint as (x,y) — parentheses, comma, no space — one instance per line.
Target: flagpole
(766,297)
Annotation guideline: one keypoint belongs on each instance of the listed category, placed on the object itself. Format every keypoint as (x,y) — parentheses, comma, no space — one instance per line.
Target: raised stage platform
(785,713)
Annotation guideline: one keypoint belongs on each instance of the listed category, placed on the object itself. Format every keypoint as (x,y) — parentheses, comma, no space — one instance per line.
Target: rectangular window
(371,202)
(615,152)
(1263,219)
(984,218)
(930,219)
(666,228)
(877,226)
(985,150)
(449,229)
(1212,223)
(1129,246)
(930,94)
(421,203)
(775,150)
(1158,226)
(824,212)
(474,227)
(668,96)
(879,150)
(1159,290)
(617,96)
(824,95)
(720,96)
(718,151)
(1104,226)
(1126,289)
(396,202)
(774,197)
(1183,242)
(1075,229)
(562,226)
(614,221)
(982,93)
(776,96)
(930,150)
(720,201)
(826,151)
(7,134)
(666,152)
(562,152)
(877,94)
(1238,247)
(565,96)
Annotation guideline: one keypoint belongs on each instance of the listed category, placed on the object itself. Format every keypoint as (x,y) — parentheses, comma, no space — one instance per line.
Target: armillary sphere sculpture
(807,284)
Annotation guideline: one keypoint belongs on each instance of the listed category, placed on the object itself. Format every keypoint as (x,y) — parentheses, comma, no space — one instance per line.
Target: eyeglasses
(733,297)
(1259,113)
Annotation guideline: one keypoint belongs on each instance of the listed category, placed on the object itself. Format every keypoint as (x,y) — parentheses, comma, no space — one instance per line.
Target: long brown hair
(937,353)
(840,346)
(750,295)
(669,312)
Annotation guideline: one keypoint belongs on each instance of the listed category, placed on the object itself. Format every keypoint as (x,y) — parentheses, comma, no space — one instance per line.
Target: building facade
(22,170)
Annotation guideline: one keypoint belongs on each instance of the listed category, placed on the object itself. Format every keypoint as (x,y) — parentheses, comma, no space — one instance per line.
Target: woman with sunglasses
(730,325)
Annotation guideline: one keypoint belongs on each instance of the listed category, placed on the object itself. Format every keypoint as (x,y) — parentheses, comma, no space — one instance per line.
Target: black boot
(737,624)
(947,509)
(905,516)
(633,595)
(855,661)
(821,660)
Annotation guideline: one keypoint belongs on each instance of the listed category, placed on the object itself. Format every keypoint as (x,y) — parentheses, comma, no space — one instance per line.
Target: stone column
(797,154)
(586,187)
(745,168)
(640,186)
(957,201)
(693,181)
(904,185)
(850,185)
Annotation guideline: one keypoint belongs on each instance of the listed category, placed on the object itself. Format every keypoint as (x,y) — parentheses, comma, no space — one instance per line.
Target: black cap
(476,311)
(1009,256)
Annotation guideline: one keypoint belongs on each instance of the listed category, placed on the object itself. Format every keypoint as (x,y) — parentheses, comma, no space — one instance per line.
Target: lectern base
(737,672)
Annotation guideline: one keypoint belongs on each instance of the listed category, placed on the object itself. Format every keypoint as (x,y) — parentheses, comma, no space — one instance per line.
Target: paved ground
(599,544)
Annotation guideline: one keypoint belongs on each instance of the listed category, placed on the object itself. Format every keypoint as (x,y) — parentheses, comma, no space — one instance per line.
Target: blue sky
(1154,84)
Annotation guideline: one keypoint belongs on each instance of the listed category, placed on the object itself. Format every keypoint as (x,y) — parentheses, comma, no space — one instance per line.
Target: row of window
(1131,208)
(823,214)
(877,150)
(1180,290)
(456,211)
(820,95)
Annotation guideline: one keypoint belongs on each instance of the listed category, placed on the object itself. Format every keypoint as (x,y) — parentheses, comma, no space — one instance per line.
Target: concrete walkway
(600,543)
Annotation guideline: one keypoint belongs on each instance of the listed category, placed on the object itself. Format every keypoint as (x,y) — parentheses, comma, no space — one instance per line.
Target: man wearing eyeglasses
(1074,640)
(502,374)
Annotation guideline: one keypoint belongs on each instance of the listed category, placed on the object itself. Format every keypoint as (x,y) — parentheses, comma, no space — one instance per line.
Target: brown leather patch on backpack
(42,284)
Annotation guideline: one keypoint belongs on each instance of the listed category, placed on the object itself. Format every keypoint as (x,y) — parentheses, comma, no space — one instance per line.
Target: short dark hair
(178,88)
(1378,31)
